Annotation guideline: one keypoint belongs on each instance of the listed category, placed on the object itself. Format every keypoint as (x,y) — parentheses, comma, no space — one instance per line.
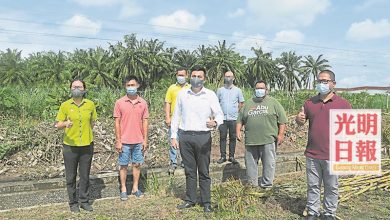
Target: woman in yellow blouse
(77,116)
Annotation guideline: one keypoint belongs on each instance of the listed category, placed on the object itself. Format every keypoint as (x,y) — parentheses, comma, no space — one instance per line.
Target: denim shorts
(131,153)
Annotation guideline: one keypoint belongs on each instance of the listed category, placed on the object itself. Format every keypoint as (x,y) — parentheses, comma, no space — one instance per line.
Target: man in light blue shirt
(231,99)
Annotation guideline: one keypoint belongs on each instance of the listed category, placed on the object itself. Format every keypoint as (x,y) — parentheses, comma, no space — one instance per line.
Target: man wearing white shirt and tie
(197,112)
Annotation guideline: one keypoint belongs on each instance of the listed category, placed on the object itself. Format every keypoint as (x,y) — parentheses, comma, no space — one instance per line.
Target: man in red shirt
(316,111)
(131,130)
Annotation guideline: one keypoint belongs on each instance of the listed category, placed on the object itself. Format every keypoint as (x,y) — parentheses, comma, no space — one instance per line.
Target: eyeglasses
(324,81)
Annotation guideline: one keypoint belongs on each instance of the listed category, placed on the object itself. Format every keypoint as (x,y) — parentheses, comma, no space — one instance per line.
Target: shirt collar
(229,88)
(135,101)
(72,101)
(333,98)
(202,91)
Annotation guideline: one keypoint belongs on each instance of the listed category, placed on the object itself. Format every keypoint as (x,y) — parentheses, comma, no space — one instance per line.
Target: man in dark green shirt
(264,119)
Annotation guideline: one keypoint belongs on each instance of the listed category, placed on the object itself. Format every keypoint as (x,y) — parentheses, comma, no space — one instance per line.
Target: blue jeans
(172,151)
(131,153)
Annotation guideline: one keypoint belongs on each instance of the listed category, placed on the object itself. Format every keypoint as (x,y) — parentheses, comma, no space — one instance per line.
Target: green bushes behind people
(43,103)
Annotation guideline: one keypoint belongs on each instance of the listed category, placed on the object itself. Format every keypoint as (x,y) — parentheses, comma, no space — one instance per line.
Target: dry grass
(283,202)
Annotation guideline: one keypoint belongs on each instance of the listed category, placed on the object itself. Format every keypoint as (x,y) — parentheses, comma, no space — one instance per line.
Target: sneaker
(185,205)
(123,196)
(171,169)
(208,209)
(137,194)
(86,206)
(74,208)
(221,160)
(266,188)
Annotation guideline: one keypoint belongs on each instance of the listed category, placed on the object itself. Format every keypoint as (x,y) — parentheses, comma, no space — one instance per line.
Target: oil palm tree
(262,66)
(290,68)
(12,68)
(311,67)
(128,58)
(99,71)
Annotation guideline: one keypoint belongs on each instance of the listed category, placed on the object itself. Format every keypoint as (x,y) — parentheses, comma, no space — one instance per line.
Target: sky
(354,35)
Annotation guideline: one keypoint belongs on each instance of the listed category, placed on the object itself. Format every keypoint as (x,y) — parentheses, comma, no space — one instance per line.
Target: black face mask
(196,82)
(77,93)
(227,81)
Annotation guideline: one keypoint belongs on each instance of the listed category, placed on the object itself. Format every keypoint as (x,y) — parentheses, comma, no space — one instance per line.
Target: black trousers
(223,131)
(195,148)
(81,158)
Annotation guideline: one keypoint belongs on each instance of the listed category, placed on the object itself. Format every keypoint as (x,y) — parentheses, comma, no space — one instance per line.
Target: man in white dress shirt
(197,112)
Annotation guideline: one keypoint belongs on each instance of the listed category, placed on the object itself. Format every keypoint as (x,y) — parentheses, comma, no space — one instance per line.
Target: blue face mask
(181,79)
(259,93)
(323,89)
(131,90)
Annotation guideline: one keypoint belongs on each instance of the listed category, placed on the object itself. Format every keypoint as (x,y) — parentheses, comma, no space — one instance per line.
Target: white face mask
(131,90)
(323,89)
(181,79)
(259,93)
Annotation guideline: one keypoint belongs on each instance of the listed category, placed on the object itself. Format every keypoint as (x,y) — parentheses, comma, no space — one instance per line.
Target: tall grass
(293,103)
(43,103)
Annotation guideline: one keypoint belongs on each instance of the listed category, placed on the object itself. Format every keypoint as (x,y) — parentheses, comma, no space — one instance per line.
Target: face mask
(227,81)
(131,90)
(323,89)
(77,93)
(196,82)
(259,93)
(181,79)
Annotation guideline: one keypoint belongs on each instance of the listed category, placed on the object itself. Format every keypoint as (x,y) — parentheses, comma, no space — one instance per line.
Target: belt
(193,132)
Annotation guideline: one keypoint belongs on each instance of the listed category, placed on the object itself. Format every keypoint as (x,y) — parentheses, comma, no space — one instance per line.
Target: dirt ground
(370,205)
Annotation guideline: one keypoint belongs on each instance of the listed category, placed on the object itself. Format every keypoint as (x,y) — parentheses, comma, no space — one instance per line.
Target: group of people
(191,113)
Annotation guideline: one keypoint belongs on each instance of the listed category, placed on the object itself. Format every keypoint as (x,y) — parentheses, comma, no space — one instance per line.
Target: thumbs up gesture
(301,117)
(68,123)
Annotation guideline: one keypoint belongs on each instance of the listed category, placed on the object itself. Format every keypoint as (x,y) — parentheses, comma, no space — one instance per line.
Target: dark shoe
(74,208)
(328,217)
(232,160)
(185,205)
(207,209)
(221,160)
(86,206)
(311,217)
